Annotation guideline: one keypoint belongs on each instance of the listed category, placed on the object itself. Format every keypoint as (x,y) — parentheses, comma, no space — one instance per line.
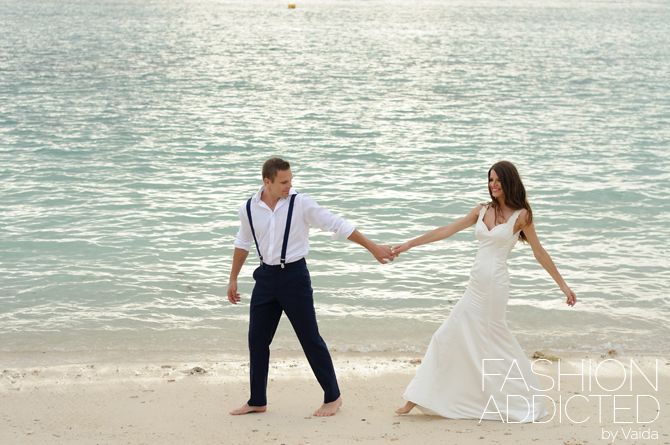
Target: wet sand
(63,399)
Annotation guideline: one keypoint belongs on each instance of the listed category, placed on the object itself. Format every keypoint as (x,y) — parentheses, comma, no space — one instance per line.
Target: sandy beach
(154,401)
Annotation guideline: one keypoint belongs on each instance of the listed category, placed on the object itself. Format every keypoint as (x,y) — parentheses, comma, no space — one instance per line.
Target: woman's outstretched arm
(441,232)
(545,260)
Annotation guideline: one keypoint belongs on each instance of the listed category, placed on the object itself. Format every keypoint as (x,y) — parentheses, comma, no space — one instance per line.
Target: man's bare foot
(328,409)
(406,409)
(246,409)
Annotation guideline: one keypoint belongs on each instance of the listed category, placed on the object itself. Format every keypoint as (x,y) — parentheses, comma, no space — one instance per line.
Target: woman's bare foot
(406,409)
(328,409)
(246,409)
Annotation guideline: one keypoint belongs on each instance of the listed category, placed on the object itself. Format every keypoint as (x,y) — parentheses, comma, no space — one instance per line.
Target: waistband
(288,266)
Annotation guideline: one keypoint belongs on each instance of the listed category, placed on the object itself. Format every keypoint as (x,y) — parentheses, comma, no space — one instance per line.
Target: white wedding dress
(474,340)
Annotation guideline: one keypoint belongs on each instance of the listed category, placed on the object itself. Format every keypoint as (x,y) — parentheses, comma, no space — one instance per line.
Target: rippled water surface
(131,131)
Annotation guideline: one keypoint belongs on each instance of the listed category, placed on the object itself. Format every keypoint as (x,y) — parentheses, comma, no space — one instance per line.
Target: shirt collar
(257,197)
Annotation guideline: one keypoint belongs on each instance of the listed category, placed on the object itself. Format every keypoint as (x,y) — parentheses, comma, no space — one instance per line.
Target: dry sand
(60,399)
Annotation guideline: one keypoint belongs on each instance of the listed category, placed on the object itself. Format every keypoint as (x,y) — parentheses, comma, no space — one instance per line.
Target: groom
(277,221)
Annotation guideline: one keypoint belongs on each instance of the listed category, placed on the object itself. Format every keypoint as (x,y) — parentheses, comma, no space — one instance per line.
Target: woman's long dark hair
(515,192)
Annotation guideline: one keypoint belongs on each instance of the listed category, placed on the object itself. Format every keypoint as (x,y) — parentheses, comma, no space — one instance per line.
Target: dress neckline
(511,218)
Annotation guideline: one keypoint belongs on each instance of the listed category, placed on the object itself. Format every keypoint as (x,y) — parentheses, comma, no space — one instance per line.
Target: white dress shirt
(270,225)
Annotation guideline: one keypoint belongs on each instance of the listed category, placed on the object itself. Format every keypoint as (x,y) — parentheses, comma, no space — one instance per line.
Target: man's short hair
(272,166)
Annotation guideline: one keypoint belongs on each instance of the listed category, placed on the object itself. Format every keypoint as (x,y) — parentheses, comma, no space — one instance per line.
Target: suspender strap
(253,232)
(288,229)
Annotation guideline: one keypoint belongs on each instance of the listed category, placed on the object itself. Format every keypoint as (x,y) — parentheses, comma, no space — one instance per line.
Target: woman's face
(495,187)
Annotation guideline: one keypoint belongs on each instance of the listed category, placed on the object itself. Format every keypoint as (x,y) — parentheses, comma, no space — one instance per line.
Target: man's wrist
(371,246)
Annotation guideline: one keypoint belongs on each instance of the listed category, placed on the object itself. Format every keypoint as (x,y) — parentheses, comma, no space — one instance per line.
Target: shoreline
(14,359)
(158,400)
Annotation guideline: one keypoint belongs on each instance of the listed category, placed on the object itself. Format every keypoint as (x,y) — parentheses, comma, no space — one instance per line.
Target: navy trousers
(287,290)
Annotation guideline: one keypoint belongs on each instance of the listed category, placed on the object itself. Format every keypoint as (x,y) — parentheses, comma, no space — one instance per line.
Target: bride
(474,368)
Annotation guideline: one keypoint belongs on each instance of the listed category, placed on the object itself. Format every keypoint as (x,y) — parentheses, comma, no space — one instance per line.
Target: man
(277,220)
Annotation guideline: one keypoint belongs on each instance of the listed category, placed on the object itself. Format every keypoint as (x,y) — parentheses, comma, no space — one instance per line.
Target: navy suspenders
(251,223)
(288,228)
(286,231)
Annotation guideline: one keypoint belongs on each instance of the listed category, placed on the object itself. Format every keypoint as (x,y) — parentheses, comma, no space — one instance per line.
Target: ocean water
(131,132)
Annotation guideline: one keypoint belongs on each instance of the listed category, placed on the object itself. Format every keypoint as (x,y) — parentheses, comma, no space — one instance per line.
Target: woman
(474,368)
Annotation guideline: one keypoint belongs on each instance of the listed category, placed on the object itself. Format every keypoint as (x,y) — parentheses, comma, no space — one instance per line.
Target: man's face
(281,186)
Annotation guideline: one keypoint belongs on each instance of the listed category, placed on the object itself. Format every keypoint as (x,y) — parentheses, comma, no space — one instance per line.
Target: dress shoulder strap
(514,217)
(485,207)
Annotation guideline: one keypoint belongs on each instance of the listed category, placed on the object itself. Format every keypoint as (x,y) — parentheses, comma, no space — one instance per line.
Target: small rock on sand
(544,356)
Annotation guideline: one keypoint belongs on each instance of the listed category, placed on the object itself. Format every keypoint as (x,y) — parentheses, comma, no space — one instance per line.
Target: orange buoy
(291,6)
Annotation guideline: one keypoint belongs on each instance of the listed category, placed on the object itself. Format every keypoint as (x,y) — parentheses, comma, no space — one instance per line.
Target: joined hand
(400,248)
(383,253)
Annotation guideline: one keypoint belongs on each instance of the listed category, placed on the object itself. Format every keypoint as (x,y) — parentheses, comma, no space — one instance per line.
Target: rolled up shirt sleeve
(317,216)
(244,236)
